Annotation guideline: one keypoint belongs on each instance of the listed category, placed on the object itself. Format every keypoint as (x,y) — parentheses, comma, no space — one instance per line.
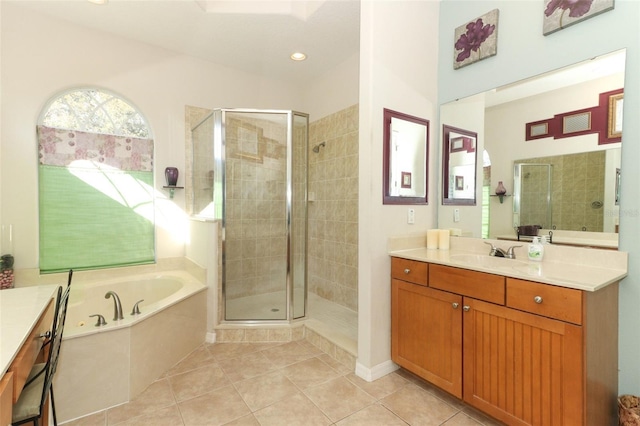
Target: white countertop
(580,277)
(20,309)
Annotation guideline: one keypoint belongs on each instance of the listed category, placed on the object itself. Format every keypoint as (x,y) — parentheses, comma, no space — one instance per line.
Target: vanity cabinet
(526,353)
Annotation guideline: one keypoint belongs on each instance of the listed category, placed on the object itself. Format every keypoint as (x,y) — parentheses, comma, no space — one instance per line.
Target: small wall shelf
(500,197)
(172,189)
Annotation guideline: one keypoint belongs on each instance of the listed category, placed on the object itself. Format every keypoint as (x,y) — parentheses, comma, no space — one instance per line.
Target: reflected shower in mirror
(573,192)
(459,166)
(526,121)
(406,143)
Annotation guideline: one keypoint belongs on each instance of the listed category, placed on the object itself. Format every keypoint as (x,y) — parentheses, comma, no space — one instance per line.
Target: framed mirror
(459,166)
(405,158)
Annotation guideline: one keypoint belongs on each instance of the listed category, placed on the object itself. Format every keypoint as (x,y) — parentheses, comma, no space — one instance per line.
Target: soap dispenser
(536,250)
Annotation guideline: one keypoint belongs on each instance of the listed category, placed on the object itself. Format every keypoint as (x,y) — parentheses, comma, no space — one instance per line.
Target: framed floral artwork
(476,40)
(559,14)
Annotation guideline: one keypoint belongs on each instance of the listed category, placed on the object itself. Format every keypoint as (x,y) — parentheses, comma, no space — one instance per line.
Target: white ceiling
(257,36)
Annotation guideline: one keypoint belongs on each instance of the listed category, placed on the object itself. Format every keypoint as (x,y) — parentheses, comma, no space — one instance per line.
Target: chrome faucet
(117,306)
(498,252)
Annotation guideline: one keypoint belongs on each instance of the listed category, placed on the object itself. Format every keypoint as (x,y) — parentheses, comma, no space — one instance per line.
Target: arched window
(95,183)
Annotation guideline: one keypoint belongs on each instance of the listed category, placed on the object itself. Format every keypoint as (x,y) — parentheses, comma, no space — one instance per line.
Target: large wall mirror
(459,161)
(406,144)
(526,127)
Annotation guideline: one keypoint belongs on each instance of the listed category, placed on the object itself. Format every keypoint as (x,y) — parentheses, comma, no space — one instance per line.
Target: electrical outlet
(456,215)
(411,216)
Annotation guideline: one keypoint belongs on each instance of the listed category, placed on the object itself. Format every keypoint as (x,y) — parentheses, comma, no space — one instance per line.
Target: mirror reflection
(575,192)
(459,166)
(405,141)
(548,120)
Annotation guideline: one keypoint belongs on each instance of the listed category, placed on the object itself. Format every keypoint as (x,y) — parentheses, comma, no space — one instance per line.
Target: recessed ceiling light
(98,1)
(298,56)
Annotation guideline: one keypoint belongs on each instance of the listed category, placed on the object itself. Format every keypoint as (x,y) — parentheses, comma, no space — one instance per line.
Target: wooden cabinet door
(522,368)
(426,334)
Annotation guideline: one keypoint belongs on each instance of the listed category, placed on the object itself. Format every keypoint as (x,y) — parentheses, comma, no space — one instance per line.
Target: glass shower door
(264,221)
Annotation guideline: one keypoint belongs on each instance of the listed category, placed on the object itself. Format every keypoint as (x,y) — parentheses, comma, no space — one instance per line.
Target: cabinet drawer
(479,285)
(564,304)
(409,270)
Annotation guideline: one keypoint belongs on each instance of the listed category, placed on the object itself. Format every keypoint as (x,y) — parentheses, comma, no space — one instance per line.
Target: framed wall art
(559,14)
(476,40)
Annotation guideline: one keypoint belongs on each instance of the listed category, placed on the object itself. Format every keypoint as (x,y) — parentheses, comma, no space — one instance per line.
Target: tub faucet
(117,306)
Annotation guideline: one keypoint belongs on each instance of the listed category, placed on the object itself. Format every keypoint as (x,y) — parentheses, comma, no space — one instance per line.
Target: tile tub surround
(574,267)
(290,383)
(108,368)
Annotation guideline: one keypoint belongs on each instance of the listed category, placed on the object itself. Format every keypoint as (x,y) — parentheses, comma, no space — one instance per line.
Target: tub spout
(117,306)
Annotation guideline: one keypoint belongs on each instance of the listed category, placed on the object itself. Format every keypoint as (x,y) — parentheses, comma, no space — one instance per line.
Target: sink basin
(486,261)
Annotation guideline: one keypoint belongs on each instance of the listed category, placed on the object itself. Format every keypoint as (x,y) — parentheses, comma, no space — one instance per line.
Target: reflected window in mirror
(459,166)
(405,158)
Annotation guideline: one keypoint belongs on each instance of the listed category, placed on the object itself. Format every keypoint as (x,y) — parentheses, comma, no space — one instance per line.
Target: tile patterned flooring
(282,384)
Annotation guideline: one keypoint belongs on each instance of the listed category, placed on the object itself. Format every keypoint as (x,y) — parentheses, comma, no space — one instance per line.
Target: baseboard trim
(376,372)
(210,337)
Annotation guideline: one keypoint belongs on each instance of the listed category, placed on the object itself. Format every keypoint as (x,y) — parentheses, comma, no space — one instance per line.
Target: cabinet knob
(406,271)
(466,308)
(537,299)
(455,305)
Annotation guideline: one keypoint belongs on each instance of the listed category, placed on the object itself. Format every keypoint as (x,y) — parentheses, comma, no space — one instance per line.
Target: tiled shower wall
(578,187)
(333,208)
(256,243)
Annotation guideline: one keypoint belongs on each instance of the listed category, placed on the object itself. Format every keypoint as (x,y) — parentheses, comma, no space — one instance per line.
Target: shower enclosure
(532,194)
(255,182)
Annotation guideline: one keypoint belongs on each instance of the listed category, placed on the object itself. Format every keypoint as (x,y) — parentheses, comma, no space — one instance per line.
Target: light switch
(411,216)
(456,215)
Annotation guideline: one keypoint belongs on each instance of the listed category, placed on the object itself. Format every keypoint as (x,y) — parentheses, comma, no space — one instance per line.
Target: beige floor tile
(201,357)
(246,366)
(197,382)
(380,388)
(336,365)
(373,415)
(418,407)
(168,416)
(97,419)
(287,354)
(461,419)
(311,347)
(339,398)
(480,417)
(222,351)
(157,395)
(295,411)
(214,408)
(249,420)
(264,390)
(310,372)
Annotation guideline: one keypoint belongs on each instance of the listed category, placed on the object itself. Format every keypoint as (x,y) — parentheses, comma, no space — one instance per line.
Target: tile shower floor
(282,384)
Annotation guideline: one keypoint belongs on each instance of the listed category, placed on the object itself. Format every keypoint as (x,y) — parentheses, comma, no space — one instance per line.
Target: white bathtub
(101,367)
(158,290)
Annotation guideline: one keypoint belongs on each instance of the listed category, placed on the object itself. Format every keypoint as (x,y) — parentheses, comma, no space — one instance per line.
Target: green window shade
(105,220)
(96,200)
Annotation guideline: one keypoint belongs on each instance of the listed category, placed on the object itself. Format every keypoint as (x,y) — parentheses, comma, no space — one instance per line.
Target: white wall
(398,47)
(523,52)
(333,91)
(42,56)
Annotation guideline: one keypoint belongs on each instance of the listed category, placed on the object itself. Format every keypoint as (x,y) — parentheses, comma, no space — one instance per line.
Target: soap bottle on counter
(536,250)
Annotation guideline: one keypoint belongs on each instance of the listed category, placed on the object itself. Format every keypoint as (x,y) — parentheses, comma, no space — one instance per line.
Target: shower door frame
(517,193)
(219,117)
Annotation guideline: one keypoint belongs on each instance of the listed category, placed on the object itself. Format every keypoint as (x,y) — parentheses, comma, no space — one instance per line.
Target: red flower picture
(559,14)
(476,40)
